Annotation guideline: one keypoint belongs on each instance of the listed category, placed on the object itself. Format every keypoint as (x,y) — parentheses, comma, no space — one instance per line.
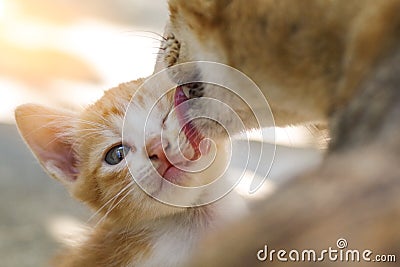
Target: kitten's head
(97,152)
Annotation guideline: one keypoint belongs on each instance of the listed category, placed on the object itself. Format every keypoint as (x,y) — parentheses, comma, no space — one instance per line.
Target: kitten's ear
(48,134)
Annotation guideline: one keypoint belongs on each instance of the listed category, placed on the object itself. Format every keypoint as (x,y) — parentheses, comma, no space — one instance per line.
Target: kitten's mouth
(191,132)
(170,173)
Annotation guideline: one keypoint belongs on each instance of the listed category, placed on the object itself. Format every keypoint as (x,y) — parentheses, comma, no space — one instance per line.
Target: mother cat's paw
(171,47)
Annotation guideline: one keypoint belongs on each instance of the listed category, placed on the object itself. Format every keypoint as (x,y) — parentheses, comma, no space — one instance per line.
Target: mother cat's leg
(354,194)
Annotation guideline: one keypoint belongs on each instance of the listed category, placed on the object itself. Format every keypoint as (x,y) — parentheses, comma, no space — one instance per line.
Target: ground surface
(30,202)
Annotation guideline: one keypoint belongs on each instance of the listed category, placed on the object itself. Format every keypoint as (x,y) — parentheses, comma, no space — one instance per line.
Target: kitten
(86,152)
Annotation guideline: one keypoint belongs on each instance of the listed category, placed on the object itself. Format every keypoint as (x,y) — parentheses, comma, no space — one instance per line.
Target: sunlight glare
(243,187)
(2,9)
(118,55)
(288,136)
(16,94)
(67,230)
(9,12)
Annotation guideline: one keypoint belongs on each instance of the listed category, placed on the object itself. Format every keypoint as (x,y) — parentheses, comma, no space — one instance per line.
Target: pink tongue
(190,131)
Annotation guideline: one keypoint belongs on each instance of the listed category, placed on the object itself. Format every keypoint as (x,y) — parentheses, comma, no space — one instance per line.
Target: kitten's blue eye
(116,154)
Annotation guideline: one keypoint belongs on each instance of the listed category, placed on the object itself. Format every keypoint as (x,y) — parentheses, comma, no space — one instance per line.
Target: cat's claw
(171,47)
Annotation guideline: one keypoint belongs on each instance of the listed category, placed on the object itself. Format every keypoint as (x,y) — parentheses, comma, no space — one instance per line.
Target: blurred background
(69,51)
(66,53)
(59,53)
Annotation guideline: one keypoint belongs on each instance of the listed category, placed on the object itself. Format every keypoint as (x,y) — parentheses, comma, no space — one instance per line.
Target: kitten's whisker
(113,207)
(64,136)
(47,125)
(144,36)
(151,32)
(160,47)
(157,34)
(108,202)
(146,173)
(87,135)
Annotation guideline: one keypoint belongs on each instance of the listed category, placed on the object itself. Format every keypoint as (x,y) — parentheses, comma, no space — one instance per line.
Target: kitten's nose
(155,148)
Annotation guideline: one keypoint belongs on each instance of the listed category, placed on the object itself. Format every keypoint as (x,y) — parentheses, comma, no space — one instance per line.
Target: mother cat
(314,60)
(307,57)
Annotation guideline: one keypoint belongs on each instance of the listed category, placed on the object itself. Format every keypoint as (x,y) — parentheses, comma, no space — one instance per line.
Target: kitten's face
(101,167)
